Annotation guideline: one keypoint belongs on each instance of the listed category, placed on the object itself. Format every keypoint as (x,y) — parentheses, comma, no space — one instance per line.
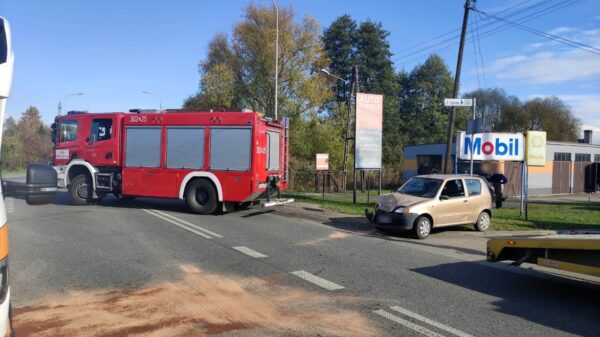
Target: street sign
(322,161)
(458,102)
(491,146)
(475,126)
(369,124)
(535,150)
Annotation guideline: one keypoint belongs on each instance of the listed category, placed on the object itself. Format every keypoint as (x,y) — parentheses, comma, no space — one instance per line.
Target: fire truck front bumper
(40,186)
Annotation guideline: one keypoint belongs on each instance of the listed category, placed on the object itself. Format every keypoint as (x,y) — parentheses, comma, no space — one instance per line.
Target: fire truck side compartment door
(143,174)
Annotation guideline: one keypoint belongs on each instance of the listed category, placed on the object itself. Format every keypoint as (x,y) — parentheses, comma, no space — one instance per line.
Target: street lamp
(276,53)
(328,73)
(67,96)
(155,94)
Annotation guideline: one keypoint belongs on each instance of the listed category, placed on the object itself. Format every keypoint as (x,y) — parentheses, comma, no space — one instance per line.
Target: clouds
(551,68)
(548,67)
(556,64)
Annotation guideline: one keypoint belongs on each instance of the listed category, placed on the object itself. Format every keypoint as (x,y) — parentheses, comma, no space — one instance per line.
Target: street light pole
(276,54)
(67,96)
(155,94)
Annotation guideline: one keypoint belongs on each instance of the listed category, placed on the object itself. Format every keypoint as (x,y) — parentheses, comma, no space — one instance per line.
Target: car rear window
(473,186)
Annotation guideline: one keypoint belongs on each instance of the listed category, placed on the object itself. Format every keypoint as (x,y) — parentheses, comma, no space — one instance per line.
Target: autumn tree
(27,141)
(239,72)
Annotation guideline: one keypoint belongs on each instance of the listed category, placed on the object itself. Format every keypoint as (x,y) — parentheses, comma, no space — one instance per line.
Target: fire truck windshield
(68,131)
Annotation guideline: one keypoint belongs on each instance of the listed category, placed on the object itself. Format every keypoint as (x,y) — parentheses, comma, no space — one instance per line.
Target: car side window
(454,189)
(473,186)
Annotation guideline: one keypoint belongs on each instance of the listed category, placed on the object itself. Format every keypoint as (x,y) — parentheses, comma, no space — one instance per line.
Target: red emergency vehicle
(212,160)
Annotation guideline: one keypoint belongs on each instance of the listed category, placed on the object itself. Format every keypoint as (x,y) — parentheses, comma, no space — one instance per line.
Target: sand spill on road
(334,236)
(201,303)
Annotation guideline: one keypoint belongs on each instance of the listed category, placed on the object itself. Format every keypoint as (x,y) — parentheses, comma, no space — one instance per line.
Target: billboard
(491,146)
(369,123)
(322,161)
(535,151)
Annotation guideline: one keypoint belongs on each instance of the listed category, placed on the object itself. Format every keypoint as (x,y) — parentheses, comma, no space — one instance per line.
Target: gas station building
(569,168)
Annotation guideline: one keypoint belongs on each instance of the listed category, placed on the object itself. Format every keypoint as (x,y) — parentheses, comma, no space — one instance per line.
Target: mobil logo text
(491,146)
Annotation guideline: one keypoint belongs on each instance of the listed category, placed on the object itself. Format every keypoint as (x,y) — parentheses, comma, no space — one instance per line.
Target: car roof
(447,176)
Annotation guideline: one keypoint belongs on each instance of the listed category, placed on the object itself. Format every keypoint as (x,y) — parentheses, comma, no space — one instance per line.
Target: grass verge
(541,216)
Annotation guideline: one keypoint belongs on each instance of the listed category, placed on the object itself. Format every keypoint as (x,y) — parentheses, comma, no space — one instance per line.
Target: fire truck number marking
(138,119)
(261,150)
(62,154)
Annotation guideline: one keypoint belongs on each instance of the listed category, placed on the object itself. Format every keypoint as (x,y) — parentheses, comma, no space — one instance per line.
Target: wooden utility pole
(348,132)
(463,33)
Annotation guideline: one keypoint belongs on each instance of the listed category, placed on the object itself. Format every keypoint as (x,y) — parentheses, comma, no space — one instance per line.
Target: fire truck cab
(211,160)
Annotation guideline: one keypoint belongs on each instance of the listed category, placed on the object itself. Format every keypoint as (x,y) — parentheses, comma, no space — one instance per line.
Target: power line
(495,30)
(563,40)
(480,54)
(456,30)
(476,57)
(455,37)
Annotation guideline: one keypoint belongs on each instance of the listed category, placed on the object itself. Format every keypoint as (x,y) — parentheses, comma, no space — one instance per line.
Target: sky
(112,50)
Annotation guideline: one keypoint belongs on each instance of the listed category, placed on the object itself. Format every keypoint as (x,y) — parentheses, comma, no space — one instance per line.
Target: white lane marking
(189,224)
(321,282)
(182,226)
(415,327)
(430,321)
(249,252)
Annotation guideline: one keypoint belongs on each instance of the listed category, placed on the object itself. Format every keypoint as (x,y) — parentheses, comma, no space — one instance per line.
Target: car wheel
(201,196)
(80,190)
(422,227)
(483,222)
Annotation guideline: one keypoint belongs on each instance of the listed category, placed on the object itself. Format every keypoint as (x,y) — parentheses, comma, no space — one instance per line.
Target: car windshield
(421,187)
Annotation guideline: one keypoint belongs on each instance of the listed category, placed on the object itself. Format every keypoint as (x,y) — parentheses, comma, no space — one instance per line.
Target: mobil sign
(491,146)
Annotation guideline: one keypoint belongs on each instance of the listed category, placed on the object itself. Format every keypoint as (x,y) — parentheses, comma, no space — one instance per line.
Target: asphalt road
(150,268)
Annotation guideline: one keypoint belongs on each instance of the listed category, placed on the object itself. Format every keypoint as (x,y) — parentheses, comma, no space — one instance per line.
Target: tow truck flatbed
(570,250)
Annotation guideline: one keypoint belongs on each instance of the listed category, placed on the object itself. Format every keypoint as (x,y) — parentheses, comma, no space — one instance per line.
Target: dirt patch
(199,304)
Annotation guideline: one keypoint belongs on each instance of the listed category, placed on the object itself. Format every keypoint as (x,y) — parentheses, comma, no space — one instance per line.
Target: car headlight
(401,210)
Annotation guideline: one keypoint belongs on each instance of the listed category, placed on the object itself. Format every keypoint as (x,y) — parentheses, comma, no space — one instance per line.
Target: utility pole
(463,33)
(354,138)
(348,129)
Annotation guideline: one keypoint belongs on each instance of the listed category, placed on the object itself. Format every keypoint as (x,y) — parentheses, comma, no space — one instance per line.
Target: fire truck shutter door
(143,147)
(185,147)
(230,148)
(273,151)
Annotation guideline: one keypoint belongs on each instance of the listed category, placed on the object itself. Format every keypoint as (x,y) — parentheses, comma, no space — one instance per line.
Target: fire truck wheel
(201,196)
(80,190)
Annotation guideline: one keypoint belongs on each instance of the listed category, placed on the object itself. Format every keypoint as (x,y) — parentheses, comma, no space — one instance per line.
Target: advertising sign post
(368,135)
(322,160)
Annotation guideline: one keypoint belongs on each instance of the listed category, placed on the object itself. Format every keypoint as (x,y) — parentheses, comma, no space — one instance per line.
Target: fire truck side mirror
(53,126)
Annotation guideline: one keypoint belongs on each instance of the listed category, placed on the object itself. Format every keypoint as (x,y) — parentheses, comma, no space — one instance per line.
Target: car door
(452,204)
(476,199)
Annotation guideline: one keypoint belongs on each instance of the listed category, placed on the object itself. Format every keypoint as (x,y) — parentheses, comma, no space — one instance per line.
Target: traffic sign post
(473,127)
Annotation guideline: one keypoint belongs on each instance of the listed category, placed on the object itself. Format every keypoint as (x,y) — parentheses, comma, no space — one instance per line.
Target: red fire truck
(213,161)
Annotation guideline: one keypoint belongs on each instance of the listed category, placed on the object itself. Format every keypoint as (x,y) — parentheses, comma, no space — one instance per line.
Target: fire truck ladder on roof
(286,150)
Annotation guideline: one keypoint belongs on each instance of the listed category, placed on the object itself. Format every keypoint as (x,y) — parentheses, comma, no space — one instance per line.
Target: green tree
(339,42)
(549,114)
(426,119)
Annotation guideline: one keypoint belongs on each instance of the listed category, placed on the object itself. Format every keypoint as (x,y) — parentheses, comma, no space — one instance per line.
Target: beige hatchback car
(436,200)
